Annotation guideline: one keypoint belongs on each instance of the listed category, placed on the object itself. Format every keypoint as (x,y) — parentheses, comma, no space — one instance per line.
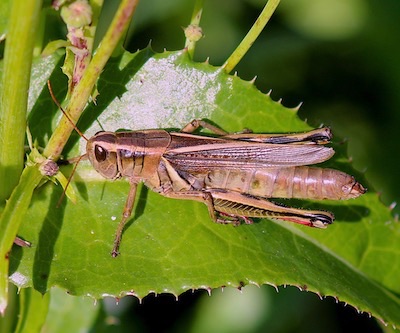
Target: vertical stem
(251,36)
(84,88)
(23,24)
(195,21)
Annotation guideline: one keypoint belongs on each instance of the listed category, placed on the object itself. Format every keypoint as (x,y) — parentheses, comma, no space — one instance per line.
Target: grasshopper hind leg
(226,218)
(237,206)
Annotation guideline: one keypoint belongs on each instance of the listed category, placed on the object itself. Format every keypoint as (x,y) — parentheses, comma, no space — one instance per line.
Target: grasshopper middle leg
(317,136)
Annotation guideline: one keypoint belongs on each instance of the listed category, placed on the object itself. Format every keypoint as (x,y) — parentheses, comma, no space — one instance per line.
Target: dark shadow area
(48,236)
(307,313)
(138,210)
(81,187)
(343,213)
(161,313)
(40,119)
(15,257)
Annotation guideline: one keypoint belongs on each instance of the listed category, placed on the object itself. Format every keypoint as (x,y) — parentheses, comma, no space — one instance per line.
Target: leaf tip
(274,286)
(302,287)
(297,108)
(254,283)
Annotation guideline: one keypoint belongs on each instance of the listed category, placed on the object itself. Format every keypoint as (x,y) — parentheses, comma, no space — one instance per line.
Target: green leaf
(10,220)
(5,6)
(33,310)
(69,314)
(172,245)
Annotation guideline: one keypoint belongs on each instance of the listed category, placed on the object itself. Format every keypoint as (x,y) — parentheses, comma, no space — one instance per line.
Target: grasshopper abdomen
(301,182)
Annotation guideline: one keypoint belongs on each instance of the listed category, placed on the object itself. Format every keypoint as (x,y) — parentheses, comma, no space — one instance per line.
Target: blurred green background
(341,60)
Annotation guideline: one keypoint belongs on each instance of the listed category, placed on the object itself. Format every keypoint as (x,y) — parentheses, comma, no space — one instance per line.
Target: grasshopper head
(102,154)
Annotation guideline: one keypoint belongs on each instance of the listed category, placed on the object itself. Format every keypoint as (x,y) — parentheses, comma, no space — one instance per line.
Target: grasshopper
(235,175)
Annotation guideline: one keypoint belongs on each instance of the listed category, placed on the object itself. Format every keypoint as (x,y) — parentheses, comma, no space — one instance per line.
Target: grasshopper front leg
(241,206)
(130,201)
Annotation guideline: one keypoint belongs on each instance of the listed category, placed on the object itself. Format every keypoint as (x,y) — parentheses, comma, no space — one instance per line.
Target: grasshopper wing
(234,154)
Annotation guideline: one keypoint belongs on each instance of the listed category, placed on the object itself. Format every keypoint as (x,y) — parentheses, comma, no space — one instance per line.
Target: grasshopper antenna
(69,180)
(63,111)
(76,159)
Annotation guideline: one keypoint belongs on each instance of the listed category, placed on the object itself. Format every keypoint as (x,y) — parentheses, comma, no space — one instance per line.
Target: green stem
(23,25)
(196,16)
(83,90)
(11,219)
(251,36)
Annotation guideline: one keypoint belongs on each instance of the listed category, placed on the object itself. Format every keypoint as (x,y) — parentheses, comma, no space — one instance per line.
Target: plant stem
(251,36)
(84,88)
(195,21)
(23,25)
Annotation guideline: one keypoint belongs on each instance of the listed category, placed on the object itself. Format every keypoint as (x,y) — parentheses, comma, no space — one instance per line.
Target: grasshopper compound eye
(101,150)
(100,153)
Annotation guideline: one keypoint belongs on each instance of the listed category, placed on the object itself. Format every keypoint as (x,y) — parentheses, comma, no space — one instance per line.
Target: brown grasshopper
(233,174)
